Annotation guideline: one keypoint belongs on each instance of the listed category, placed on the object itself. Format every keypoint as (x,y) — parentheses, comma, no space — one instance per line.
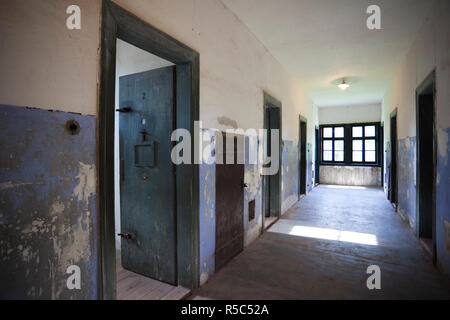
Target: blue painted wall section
(443,200)
(407,179)
(309,167)
(289,167)
(252,228)
(48,204)
(207,211)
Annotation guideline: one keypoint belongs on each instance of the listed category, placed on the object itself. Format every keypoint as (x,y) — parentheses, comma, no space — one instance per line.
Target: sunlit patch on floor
(292,227)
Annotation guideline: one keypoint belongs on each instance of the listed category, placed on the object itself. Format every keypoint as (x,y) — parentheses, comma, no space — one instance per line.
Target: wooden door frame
(119,23)
(301,120)
(428,81)
(271,102)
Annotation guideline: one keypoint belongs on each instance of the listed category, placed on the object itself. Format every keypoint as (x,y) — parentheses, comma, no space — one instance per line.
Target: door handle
(244,185)
(126,109)
(127,235)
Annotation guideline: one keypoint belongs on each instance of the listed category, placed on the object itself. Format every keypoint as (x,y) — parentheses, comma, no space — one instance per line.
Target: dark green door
(147,188)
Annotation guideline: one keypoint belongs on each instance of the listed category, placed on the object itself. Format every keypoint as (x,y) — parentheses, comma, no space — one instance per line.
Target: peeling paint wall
(48,204)
(407,179)
(350,175)
(443,199)
(430,51)
(290,174)
(310,168)
(253,179)
(207,212)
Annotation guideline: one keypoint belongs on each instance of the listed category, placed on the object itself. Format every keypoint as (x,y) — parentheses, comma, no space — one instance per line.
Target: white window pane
(328,132)
(357,145)
(327,155)
(370,145)
(327,145)
(357,156)
(369,131)
(339,132)
(370,156)
(357,132)
(339,156)
(339,145)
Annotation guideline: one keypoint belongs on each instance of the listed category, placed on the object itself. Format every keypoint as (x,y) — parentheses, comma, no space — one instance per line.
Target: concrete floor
(305,255)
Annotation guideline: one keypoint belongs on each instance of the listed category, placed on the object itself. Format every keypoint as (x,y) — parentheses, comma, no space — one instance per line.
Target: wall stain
(225,121)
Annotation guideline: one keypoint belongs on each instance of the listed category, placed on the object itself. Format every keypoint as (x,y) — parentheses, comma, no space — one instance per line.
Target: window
(333,144)
(350,144)
(364,144)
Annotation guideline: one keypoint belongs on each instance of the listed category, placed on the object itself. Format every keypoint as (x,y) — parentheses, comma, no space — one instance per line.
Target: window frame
(332,139)
(348,144)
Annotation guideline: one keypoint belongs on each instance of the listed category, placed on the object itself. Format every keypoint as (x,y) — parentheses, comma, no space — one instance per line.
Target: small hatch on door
(145,155)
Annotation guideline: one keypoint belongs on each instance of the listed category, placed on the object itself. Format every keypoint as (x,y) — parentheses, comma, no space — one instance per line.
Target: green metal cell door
(147,187)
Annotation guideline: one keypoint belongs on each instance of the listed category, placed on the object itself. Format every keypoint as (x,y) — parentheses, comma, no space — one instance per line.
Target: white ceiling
(320,41)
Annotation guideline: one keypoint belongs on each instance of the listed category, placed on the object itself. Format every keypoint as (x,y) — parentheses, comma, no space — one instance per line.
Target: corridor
(321,248)
(224,149)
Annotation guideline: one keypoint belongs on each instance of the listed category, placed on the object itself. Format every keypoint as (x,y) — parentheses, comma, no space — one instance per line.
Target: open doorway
(271,183)
(426,164)
(302,140)
(145,228)
(149,87)
(392,191)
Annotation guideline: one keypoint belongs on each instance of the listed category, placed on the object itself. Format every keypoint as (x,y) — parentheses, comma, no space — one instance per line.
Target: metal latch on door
(126,109)
(127,235)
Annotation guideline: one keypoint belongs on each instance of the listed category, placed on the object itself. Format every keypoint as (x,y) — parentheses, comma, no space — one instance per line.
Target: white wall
(42,63)
(430,50)
(235,66)
(350,114)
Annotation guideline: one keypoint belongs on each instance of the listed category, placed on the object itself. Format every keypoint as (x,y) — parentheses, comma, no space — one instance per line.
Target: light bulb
(343,85)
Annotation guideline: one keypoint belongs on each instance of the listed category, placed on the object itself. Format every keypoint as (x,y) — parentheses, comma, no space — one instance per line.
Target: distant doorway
(302,156)
(426,164)
(392,191)
(272,184)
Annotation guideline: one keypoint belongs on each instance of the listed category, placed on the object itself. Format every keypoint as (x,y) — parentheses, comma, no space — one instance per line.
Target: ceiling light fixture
(343,85)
